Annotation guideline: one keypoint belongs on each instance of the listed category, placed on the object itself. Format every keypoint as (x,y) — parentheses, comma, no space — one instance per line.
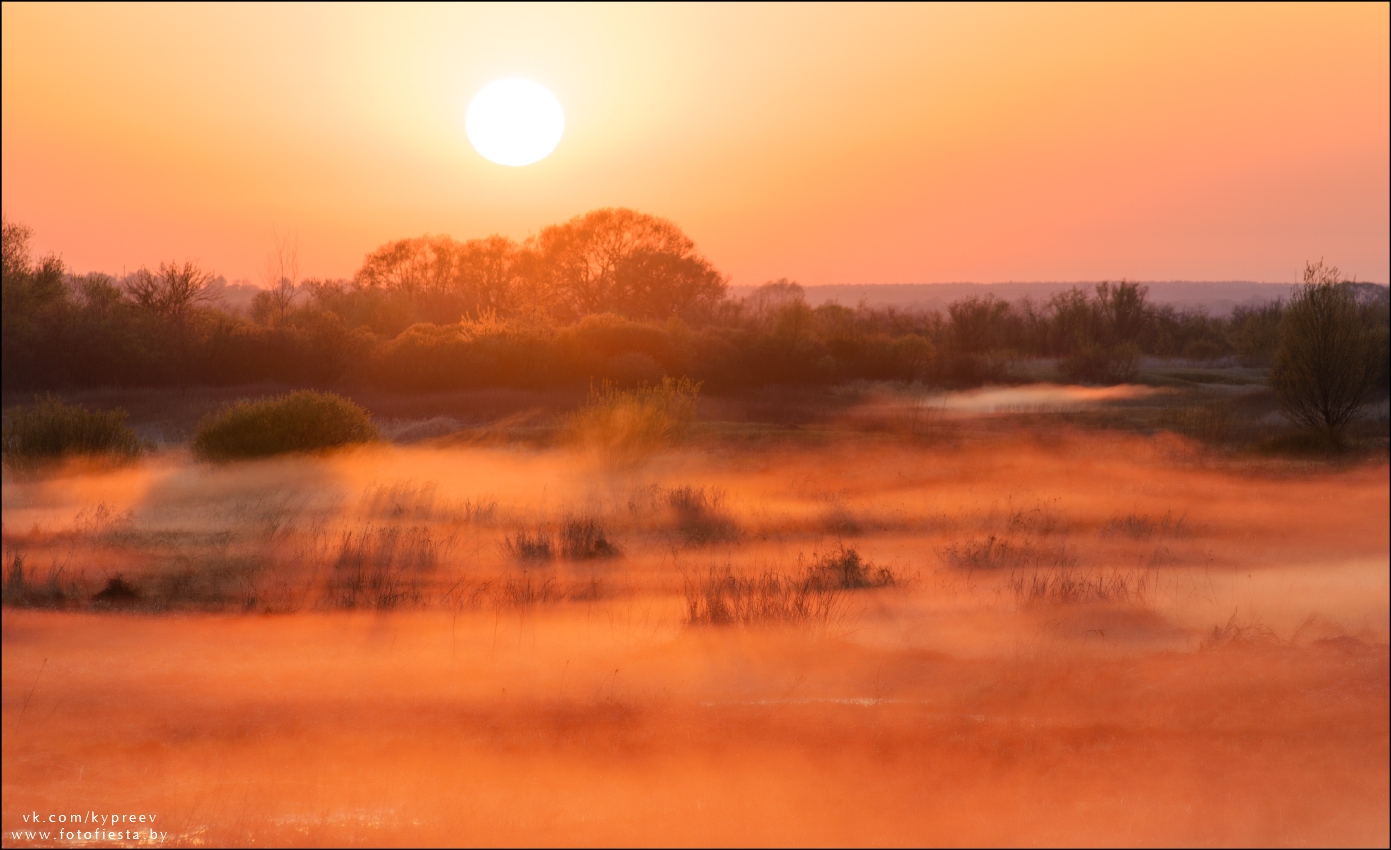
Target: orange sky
(829,144)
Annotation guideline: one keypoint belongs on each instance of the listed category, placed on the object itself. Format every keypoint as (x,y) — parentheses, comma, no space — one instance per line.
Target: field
(1006,619)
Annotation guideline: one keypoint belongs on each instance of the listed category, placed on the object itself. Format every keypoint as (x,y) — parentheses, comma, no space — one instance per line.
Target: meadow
(1044,614)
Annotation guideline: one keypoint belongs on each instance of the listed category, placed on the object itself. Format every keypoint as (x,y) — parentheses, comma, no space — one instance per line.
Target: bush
(302,421)
(51,430)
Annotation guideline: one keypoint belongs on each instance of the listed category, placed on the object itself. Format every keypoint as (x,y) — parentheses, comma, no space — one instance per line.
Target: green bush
(302,421)
(51,430)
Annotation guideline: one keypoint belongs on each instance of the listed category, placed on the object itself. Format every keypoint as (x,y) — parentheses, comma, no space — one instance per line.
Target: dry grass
(528,546)
(700,515)
(995,553)
(814,594)
(584,539)
(1235,634)
(58,586)
(623,428)
(1071,587)
(572,698)
(1142,526)
(382,567)
(722,598)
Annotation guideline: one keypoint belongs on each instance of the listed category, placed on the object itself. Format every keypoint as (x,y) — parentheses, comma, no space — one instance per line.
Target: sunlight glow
(514,122)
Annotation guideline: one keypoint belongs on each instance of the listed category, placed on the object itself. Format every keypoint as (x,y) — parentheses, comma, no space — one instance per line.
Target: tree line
(611,294)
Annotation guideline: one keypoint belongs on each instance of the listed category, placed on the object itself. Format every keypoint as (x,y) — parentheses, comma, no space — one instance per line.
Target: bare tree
(172,292)
(1323,371)
(281,276)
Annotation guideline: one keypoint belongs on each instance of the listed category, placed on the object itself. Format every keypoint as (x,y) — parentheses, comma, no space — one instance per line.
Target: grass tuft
(530,546)
(583,539)
(700,515)
(845,570)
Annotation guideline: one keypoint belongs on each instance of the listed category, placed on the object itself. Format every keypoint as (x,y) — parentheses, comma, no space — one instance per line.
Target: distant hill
(1217,297)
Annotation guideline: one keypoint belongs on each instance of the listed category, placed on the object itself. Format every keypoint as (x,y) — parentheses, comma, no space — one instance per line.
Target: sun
(514,122)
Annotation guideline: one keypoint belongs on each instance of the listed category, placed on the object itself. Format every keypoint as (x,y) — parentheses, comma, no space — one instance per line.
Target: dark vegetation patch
(584,538)
(50,430)
(700,516)
(303,421)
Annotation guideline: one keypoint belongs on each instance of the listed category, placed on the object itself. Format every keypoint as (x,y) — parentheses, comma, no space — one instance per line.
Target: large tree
(619,260)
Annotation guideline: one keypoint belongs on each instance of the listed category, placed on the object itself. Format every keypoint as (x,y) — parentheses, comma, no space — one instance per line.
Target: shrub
(302,421)
(50,430)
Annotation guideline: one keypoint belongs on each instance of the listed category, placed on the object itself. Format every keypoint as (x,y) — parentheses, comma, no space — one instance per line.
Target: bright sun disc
(514,122)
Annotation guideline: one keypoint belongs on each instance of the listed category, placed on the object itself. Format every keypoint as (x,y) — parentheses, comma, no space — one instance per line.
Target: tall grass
(700,515)
(1068,587)
(302,421)
(51,430)
(26,587)
(1005,553)
(624,427)
(583,538)
(722,598)
(382,568)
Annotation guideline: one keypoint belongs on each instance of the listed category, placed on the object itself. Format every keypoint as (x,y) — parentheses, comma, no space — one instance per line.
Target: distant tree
(774,295)
(623,261)
(173,292)
(979,324)
(1323,370)
(14,244)
(411,266)
(1124,313)
(1254,331)
(280,273)
(27,285)
(447,279)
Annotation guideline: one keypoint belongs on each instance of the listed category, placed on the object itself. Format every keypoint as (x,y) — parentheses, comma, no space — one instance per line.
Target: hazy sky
(829,144)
